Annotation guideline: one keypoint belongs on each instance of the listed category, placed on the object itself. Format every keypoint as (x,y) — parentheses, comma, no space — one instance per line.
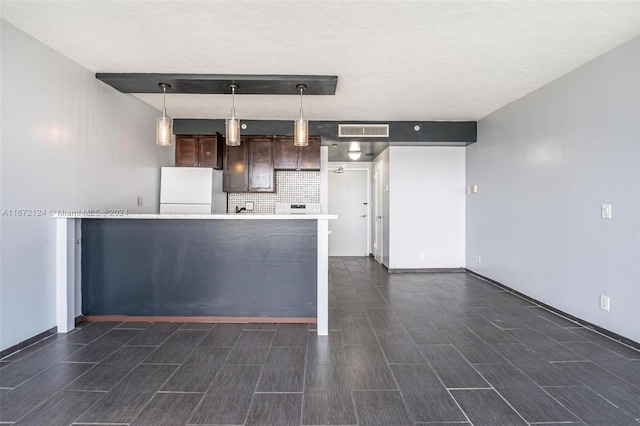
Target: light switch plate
(606,211)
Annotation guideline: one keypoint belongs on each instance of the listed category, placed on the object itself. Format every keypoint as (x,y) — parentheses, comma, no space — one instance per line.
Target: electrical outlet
(605,302)
(140,200)
(249,205)
(421,256)
(478,259)
(606,211)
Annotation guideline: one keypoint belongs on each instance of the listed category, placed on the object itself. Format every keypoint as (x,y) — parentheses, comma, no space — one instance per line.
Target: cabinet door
(309,156)
(236,168)
(261,174)
(186,150)
(210,151)
(286,156)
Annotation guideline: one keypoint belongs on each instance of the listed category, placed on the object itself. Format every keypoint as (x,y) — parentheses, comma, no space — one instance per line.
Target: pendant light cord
(164,101)
(233,101)
(301,90)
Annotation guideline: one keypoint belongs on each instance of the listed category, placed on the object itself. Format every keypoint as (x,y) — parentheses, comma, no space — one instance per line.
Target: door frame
(378,196)
(332,169)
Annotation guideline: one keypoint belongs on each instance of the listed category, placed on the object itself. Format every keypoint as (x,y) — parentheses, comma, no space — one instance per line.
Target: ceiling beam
(219,84)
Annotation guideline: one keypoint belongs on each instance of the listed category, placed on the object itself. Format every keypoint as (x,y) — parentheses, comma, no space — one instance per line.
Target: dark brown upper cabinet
(291,157)
(261,172)
(235,176)
(199,150)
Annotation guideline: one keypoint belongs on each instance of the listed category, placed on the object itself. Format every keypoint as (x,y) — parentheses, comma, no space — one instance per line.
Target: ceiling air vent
(363,130)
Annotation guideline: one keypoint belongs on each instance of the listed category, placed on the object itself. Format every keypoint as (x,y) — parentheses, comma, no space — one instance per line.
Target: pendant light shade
(233,124)
(354,155)
(301,133)
(164,135)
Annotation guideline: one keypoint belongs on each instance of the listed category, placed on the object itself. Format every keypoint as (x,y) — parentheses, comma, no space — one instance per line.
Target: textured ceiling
(395,60)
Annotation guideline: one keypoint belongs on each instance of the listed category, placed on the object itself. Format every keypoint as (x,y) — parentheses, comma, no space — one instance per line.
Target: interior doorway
(377,206)
(349,199)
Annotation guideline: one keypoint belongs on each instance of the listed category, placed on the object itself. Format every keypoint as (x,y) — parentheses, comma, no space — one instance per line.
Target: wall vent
(363,130)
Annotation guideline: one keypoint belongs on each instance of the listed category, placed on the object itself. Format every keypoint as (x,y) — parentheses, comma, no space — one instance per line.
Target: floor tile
(223,335)
(367,368)
(251,348)
(609,386)
(325,350)
(197,326)
(90,332)
(108,373)
(155,335)
(176,349)
(617,364)
(19,401)
(291,335)
(283,370)
(524,395)
(168,409)
(399,347)
(124,402)
(541,371)
(425,395)
(282,409)
(197,372)
(451,367)
(590,407)
(327,396)
(228,399)
(486,407)
(61,409)
(95,351)
(27,367)
(375,408)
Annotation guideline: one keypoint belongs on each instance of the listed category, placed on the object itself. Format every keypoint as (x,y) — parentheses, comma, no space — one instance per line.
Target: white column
(323,277)
(65,274)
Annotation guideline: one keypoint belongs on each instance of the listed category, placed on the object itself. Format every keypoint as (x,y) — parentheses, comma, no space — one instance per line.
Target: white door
(377,225)
(348,199)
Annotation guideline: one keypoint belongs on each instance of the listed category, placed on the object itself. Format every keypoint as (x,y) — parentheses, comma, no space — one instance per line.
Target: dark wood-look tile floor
(403,349)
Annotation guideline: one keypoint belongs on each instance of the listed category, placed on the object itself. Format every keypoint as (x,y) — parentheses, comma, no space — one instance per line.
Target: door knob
(364,215)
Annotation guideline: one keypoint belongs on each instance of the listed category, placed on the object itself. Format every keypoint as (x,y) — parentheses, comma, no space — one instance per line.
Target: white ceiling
(395,60)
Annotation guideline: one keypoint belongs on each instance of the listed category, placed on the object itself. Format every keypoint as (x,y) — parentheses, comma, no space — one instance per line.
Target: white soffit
(395,60)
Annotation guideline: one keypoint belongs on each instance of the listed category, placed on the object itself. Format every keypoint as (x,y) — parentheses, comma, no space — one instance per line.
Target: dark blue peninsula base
(193,267)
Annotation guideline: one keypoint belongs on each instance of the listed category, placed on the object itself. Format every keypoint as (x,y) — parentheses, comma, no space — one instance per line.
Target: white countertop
(241,216)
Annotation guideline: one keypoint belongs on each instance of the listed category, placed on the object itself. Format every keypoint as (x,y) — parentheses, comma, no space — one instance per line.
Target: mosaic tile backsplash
(291,187)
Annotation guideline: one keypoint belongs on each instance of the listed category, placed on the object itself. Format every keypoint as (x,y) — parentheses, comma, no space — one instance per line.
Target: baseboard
(30,341)
(607,333)
(201,319)
(424,270)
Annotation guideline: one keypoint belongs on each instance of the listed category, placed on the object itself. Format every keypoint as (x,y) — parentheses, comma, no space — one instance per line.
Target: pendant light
(301,134)
(354,155)
(233,124)
(163,124)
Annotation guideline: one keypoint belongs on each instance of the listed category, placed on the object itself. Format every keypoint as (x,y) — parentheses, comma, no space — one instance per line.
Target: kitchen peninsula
(235,268)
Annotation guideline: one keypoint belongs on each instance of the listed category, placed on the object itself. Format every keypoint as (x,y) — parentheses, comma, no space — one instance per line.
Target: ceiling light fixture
(163,124)
(233,124)
(301,134)
(354,155)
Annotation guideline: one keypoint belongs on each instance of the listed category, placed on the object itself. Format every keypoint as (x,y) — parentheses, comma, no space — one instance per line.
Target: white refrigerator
(186,190)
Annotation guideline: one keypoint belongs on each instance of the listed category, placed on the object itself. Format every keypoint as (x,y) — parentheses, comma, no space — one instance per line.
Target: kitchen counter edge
(206,216)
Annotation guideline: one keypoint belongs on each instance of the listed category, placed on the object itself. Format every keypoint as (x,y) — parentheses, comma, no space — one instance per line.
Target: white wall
(544,165)
(427,204)
(68,142)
